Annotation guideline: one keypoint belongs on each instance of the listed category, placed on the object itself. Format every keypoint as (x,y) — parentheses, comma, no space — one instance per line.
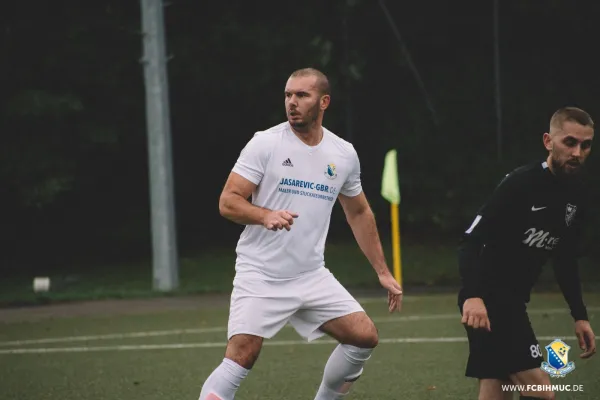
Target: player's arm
(567,275)
(361,219)
(234,204)
(566,267)
(488,223)
(245,177)
(566,271)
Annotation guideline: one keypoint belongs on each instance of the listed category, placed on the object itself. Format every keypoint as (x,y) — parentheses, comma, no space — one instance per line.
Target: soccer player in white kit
(294,172)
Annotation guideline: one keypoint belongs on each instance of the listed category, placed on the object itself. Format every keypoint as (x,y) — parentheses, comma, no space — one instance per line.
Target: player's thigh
(356,329)
(260,308)
(522,346)
(534,379)
(325,300)
(486,362)
(510,347)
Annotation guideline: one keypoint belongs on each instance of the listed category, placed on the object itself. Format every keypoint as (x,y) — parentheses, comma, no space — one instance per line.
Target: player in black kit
(535,214)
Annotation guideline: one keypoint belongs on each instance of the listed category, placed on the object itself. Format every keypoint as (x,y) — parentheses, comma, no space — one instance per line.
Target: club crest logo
(558,365)
(330,172)
(570,213)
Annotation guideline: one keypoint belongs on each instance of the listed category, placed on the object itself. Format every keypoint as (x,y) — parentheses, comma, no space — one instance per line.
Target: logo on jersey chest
(570,213)
(330,171)
(540,239)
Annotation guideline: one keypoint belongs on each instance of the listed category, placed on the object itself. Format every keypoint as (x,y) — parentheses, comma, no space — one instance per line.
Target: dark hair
(572,114)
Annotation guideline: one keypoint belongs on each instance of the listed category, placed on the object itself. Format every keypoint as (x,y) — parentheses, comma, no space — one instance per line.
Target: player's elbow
(224,205)
(353,215)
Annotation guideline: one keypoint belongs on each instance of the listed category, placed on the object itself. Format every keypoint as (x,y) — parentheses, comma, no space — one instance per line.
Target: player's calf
(533,378)
(492,389)
(224,381)
(537,395)
(537,398)
(241,354)
(344,367)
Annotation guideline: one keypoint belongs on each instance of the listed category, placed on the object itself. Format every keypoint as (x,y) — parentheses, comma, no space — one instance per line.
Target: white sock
(224,381)
(345,365)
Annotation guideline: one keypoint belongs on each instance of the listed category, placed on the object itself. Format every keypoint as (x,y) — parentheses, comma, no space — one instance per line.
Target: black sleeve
(566,270)
(489,222)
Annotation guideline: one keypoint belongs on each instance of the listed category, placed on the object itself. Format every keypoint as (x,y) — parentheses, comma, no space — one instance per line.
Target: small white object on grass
(41,284)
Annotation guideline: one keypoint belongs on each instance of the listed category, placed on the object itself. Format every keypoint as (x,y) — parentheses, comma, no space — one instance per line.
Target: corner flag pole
(390,190)
(396,243)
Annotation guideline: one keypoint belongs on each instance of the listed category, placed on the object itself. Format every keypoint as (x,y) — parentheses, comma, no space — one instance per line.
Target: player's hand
(280,219)
(585,336)
(475,314)
(394,291)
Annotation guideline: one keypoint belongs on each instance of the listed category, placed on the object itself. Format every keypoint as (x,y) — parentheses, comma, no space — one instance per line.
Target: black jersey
(532,216)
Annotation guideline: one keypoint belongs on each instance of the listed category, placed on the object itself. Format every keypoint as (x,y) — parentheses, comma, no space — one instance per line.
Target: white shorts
(262,307)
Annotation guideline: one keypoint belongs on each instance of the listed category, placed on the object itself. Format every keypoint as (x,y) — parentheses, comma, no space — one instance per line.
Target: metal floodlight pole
(411,64)
(497,83)
(348,76)
(164,243)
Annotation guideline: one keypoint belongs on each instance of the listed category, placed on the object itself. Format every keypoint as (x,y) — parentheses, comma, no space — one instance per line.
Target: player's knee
(372,337)
(244,350)
(372,340)
(244,358)
(368,338)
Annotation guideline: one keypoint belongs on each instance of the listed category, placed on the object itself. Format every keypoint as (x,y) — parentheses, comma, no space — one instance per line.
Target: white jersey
(299,178)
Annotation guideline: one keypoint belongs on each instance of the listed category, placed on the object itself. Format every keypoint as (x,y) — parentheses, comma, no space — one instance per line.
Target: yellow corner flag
(390,190)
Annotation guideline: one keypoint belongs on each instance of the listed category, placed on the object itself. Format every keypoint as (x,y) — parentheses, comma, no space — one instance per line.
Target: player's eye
(586,144)
(570,142)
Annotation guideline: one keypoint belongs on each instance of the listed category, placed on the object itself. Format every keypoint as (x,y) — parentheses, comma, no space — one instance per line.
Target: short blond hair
(322,81)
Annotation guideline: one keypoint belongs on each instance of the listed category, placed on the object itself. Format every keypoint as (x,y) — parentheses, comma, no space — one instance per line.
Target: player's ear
(325,100)
(548,141)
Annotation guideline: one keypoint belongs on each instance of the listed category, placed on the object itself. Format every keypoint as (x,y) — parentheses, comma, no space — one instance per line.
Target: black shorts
(510,347)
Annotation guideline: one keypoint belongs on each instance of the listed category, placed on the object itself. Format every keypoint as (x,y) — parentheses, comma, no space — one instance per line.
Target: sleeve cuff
(352,192)
(470,293)
(580,314)
(244,173)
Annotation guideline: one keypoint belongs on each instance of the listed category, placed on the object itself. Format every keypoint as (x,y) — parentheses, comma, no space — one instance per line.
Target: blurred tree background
(73,150)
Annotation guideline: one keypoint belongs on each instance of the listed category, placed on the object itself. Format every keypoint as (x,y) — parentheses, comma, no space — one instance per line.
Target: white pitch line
(178,346)
(114,336)
(193,331)
(457,315)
